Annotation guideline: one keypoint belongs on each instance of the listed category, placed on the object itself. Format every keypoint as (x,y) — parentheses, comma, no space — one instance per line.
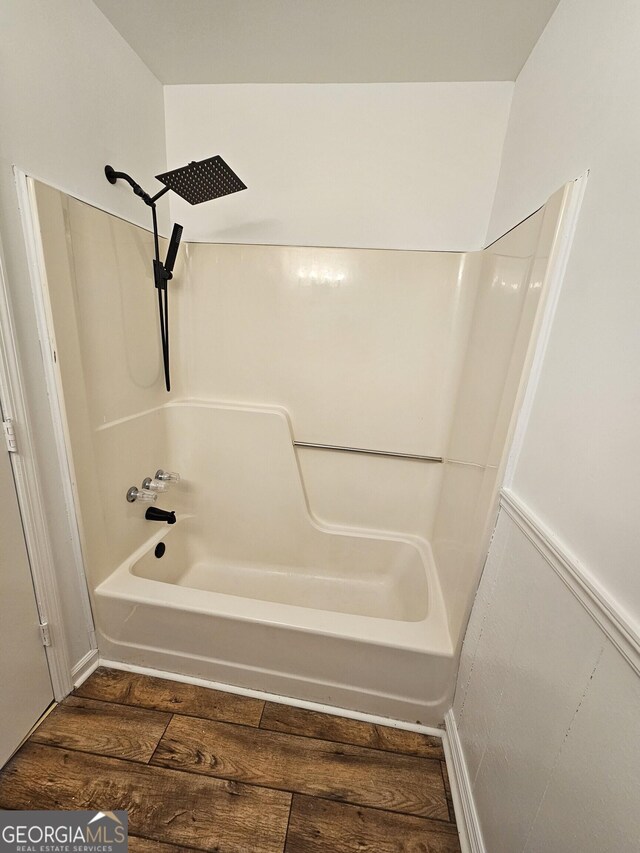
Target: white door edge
(25,465)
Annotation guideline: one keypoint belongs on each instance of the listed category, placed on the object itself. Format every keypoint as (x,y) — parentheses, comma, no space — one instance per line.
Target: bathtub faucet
(155,514)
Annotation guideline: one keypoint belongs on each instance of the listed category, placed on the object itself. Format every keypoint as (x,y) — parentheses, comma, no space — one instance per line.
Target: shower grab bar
(391,453)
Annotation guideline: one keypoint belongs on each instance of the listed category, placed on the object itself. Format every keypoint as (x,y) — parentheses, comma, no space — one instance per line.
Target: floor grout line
(160,741)
(170,843)
(286,834)
(444,785)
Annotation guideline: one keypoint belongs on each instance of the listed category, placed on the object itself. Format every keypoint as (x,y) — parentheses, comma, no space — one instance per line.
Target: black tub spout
(155,514)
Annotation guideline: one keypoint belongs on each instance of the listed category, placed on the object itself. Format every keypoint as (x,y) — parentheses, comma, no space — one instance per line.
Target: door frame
(26,470)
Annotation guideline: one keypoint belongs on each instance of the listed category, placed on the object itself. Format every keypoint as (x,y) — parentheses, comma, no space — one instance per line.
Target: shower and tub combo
(340,420)
(268,595)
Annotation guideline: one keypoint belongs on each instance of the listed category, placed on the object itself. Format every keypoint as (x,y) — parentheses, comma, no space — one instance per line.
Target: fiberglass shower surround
(197,182)
(312,572)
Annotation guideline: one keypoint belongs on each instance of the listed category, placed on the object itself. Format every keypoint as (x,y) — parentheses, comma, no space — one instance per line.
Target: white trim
(556,267)
(83,669)
(467,819)
(36,532)
(274,697)
(615,623)
(78,196)
(30,500)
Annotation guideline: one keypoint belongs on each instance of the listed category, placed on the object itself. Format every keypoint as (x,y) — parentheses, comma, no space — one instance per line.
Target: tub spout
(155,514)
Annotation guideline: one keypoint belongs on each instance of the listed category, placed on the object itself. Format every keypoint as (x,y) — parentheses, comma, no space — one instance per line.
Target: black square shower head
(203,180)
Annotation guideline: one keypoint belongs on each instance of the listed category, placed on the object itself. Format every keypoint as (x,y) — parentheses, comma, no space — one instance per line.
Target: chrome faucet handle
(154,485)
(143,495)
(167,476)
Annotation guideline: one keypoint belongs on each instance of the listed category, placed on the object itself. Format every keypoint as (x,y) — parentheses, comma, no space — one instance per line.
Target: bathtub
(249,589)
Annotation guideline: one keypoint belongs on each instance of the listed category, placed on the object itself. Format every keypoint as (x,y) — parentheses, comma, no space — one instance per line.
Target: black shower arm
(113,176)
(160,274)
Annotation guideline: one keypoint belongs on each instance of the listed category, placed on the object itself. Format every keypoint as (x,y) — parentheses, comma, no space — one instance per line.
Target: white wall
(401,166)
(73,96)
(577,106)
(547,707)
(547,711)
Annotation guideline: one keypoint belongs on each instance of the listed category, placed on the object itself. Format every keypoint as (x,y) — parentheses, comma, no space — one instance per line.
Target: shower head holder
(113,176)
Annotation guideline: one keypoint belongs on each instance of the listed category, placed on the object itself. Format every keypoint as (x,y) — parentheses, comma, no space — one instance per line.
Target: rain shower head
(203,180)
(197,182)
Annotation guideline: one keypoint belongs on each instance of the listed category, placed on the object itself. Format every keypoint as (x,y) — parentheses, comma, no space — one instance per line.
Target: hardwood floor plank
(300,721)
(447,790)
(175,808)
(320,826)
(160,694)
(402,783)
(103,728)
(145,845)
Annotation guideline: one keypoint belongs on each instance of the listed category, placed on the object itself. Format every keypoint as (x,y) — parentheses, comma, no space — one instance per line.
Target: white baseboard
(83,669)
(466,815)
(273,697)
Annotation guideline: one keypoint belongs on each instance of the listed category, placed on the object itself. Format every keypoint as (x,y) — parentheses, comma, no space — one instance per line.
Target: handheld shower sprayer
(196,182)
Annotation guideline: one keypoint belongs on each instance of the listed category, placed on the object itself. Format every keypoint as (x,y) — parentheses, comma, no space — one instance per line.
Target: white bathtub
(253,591)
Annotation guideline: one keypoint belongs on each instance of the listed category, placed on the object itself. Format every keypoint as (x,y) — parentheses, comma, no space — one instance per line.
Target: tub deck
(254,590)
(362,655)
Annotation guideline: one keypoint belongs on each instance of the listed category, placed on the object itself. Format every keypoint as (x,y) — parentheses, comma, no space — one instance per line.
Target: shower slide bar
(391,453)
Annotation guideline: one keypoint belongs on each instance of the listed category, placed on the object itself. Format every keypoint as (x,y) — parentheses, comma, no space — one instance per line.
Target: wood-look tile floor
(198,769)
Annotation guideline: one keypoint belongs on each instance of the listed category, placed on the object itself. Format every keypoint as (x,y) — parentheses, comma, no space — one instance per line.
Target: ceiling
(330,41)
